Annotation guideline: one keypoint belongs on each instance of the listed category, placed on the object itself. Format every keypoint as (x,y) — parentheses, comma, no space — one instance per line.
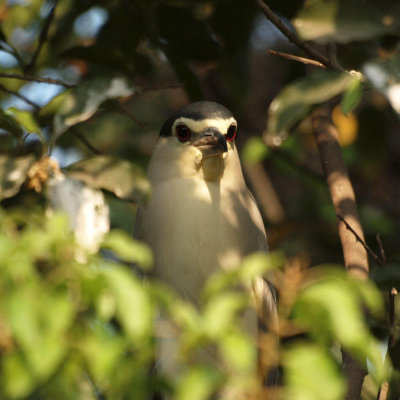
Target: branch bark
(343,199)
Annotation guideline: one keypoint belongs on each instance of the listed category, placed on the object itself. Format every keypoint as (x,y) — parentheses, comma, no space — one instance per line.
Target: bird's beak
(210,142)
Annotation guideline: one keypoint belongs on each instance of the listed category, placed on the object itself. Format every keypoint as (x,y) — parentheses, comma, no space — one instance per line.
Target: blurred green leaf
(26,120)
(81,102)
(351,97)
(311,374)
(331,309)
(221,312)
(344,21)
(296,99)
(199,383)
(134,308)
(118,176)
(238,351)
(13,173)
(18,380)
(128,249)
(255,151)
(253,266)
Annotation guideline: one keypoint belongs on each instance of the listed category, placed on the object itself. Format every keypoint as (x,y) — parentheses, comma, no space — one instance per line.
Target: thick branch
(343,199)
(292,37)
(341,190)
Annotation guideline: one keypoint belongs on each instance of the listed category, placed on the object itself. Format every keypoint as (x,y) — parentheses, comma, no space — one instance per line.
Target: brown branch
(20,96)
(42,37)
(341,191)
(36,79)
(360,240)
(343,199)
(292,37)
(383,391)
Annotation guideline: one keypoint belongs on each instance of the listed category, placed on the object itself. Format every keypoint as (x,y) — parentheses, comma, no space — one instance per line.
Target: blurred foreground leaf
(344,21)
(13,173)
(311,374)
(118,176)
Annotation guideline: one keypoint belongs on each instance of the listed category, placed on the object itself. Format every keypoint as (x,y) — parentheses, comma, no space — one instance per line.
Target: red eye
(183,133)
(231,134)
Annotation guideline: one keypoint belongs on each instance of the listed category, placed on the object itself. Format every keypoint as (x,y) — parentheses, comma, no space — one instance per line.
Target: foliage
(85,87)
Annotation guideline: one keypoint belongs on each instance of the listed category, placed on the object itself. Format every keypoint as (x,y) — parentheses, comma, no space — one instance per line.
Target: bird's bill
(211,145)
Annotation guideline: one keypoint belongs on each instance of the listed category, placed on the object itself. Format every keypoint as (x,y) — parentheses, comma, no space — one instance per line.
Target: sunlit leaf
(13,173)
(253,266)
(311,374)
(296,99)
(118,176)
(344,21)
(18,379)
(198,383)
(81,102)
(221,312)
(238,351)
(26,120)
(128,249)
(134,309)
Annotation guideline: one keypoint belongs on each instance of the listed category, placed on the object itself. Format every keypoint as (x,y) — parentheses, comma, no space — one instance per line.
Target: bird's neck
(213,168)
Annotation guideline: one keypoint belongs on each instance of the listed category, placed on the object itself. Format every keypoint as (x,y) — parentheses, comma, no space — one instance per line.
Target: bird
(201,217)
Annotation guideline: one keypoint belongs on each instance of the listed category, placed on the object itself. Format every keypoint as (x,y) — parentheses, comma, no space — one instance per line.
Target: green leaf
(18,379)
(255,151)
(13,173)
(118,176)
(333,309)
(134,309)
(128,249)
(253,266)
(345,21)
(221,311)
(351,97)
(199,383)
(238,351)
(26,120)
(296,99)
(81,102)
(311,374)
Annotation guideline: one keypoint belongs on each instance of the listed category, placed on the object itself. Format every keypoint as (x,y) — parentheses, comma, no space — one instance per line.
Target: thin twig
(82,139)
(292,37)
(381,249)
(20,96)
(36,79)
(42,37)
(360,240)
(292,57)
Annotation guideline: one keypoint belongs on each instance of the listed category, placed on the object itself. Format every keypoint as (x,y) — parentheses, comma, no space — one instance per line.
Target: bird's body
(201,217)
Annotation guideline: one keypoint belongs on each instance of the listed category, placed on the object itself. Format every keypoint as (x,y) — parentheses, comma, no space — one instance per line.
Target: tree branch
(343,199)
(360,240)
(43,37)
(292,37)
(20,96)
(36,79)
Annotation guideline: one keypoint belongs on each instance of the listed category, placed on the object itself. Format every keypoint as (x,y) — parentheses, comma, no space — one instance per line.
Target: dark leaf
(118,176)
(345,21)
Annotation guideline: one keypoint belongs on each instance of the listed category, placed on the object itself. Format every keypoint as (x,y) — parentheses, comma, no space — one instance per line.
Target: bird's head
(197,140)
